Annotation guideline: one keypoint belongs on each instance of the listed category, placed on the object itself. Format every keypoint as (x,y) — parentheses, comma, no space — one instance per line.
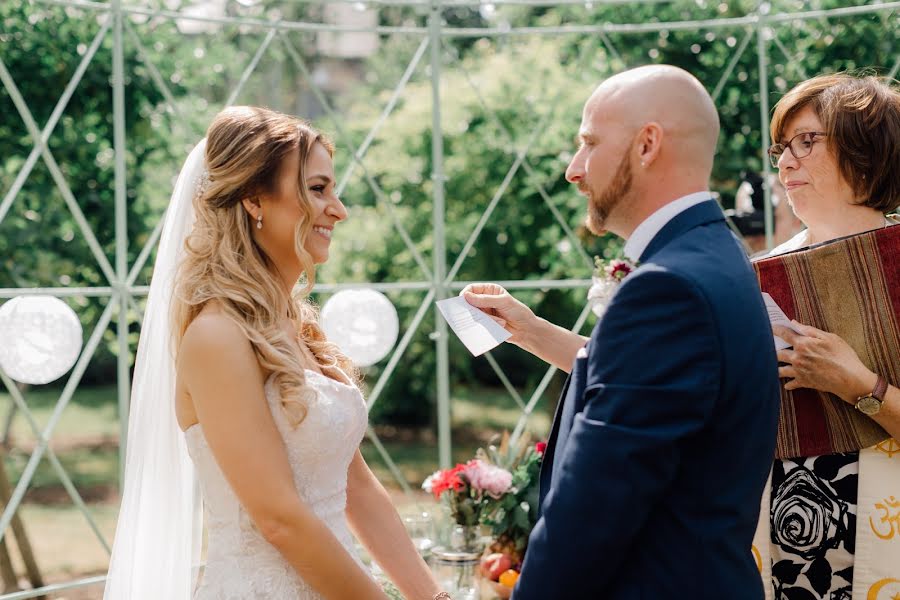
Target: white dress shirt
(652,225)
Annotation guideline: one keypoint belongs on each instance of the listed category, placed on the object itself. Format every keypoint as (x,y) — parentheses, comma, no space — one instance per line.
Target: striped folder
(850,287)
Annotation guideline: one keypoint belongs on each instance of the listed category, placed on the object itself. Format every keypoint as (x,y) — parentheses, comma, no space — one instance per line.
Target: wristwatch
(870,404)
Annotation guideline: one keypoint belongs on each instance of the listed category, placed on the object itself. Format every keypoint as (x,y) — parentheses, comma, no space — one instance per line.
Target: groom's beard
(601,204)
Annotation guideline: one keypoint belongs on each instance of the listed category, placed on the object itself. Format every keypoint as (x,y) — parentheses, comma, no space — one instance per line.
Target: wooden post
(10,417)
(18,529)
(10,581)
(7,426)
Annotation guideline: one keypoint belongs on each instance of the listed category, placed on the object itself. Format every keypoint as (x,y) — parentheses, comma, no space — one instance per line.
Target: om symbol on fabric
(886,589)
(889,446)
(890,516)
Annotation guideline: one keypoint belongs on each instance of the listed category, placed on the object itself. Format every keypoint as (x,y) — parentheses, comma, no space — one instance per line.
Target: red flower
(448,479)
(540,448)
(617,270)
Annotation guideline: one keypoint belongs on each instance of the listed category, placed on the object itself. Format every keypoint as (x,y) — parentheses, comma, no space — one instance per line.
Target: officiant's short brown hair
(861,116)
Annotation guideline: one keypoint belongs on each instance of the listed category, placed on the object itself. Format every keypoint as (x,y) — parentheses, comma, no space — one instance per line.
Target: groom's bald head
(648,136)
(666,95)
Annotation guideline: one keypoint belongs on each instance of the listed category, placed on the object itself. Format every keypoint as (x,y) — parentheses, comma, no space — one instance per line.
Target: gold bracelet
(442,596)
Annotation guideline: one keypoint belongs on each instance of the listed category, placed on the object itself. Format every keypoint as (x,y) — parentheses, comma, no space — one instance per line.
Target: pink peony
(487,478)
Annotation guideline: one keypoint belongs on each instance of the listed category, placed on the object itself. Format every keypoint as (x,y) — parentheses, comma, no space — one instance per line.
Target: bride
(237,389)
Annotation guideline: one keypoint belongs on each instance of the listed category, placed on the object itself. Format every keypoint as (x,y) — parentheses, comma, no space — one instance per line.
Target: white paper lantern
(363,324)
(40,338)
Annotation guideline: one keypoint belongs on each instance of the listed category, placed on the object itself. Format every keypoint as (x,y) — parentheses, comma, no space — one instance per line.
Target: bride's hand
(498,304)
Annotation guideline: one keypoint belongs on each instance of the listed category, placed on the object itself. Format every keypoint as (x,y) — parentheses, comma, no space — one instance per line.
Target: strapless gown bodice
(240,563)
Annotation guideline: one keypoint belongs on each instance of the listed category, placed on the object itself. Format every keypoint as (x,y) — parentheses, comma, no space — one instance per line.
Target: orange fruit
(508,578)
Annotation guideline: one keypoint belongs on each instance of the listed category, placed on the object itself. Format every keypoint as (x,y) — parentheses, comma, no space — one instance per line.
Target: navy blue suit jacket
(665,433)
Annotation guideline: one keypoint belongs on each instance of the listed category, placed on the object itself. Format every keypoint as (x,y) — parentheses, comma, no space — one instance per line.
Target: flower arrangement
(608,275)
(512,515)
(468,488)
(497,490)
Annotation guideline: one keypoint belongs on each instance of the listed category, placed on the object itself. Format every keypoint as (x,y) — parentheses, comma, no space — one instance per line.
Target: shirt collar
(652,225)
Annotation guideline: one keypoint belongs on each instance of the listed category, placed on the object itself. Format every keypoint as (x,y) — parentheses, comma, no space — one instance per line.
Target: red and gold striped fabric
(850,287)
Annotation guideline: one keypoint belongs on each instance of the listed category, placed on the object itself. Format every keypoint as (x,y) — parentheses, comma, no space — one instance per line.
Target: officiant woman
(830,526)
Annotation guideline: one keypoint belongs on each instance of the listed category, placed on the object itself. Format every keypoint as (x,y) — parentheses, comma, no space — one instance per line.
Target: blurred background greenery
(500,95)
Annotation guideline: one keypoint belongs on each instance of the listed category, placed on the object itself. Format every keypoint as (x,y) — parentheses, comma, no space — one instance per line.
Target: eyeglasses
(800,146)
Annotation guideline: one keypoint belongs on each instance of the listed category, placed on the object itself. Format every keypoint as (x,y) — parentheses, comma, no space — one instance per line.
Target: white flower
(600,294)
(426,485)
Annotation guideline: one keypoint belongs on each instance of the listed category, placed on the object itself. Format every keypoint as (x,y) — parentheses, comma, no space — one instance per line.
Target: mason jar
(457,572)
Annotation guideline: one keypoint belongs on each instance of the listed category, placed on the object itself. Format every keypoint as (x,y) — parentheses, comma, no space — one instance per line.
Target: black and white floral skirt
(813,523)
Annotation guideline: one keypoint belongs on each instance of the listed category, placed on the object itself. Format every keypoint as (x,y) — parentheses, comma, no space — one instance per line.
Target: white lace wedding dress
(240,563)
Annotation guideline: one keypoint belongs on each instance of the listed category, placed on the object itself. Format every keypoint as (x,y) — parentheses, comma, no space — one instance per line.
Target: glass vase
(456,565)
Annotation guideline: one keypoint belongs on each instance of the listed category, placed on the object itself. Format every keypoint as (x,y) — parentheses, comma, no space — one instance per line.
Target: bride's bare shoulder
(213,342)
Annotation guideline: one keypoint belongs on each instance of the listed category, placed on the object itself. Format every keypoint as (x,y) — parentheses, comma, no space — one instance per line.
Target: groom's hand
(551,343)
(496,302)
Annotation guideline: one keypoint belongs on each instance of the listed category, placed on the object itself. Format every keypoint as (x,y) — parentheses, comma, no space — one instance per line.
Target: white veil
(159,530)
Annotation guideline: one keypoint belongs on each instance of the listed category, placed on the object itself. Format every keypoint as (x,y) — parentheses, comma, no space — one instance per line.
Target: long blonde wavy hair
(245,149)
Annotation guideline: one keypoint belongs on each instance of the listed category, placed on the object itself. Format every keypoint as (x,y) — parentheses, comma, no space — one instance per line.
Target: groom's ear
(649,143)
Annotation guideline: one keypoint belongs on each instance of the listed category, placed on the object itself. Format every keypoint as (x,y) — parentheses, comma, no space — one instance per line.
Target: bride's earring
(259,221)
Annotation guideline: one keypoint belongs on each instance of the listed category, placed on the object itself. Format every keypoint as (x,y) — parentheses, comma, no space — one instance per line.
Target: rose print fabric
(813,526)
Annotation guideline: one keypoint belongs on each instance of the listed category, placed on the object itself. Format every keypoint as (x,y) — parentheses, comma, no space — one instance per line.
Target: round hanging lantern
(363,324)
(40,338)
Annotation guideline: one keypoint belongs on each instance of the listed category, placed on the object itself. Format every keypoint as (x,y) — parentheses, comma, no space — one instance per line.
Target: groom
(665,431)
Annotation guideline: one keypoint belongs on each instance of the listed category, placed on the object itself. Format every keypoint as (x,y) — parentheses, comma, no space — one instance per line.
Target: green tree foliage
(796,49)
(499,96)
(40,243)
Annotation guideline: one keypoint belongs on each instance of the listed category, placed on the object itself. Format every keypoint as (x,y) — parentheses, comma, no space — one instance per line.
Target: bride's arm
(225,382)
(375,523)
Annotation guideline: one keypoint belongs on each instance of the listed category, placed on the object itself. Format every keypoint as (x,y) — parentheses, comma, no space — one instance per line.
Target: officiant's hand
(498,304)
(822,361)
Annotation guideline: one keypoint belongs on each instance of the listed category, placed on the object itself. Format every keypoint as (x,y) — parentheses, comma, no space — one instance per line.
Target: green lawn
(63,543)
(91,413)
(496,410)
